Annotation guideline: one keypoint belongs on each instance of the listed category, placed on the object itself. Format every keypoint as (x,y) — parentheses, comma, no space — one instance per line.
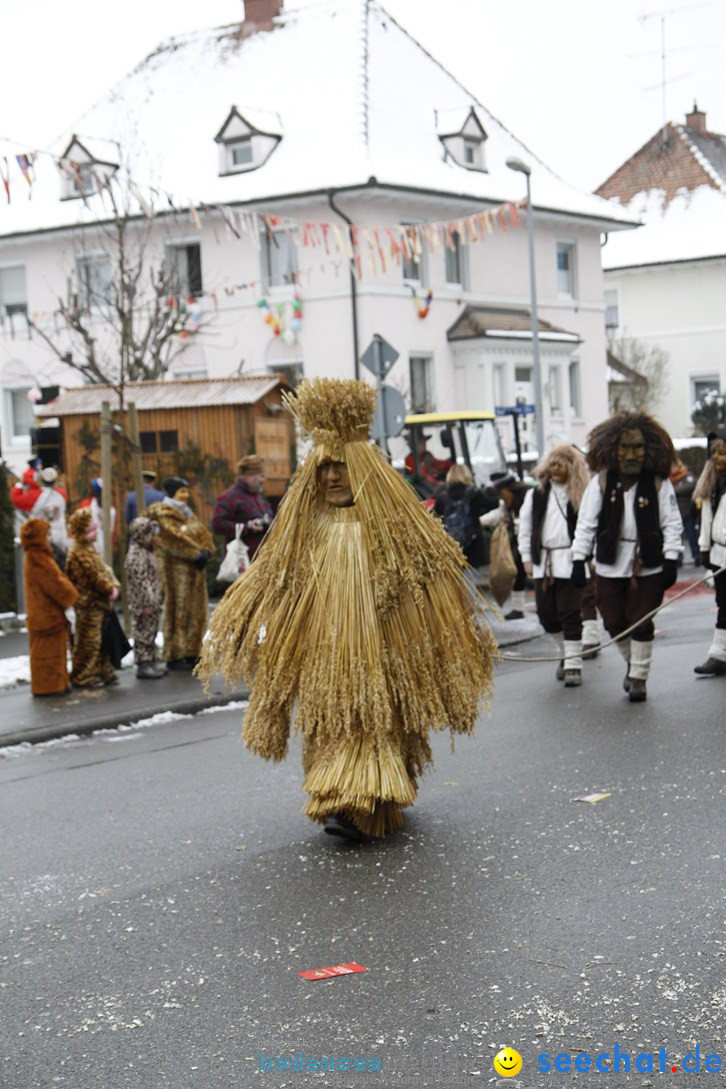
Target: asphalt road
(162,890)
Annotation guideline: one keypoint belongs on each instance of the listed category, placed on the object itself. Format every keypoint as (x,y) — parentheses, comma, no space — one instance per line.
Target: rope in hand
(623,634)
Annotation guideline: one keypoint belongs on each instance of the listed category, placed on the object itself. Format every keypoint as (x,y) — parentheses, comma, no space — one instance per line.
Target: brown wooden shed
(200,427)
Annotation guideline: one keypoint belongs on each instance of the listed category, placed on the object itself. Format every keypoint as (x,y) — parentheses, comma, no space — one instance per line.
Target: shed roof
(154,396)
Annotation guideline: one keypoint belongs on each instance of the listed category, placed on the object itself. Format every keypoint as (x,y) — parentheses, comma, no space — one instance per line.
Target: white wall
(237,336)
(680,309)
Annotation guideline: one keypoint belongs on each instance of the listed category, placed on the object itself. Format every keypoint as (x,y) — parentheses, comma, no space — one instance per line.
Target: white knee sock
(573,654)
(641,655)
(718,646)
(590,633)
(624,647)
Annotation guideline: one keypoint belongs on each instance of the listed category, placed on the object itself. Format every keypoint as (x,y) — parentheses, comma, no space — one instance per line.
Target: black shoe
(637,692)
(590,650)
(560,674)
(180,665)
(712,667)
(111,680)
(160,668)
(338,825)
(145,672)
(573,678)
(627,681)
(193,661)
(47,695)
(515,614)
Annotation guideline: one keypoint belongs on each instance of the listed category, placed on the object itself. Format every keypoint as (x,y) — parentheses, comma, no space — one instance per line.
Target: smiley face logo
(507,1062)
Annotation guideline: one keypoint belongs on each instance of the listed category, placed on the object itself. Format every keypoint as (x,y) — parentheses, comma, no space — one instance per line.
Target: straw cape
(360,617)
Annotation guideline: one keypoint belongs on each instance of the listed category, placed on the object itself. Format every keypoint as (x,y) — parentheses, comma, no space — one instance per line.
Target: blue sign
(514,410)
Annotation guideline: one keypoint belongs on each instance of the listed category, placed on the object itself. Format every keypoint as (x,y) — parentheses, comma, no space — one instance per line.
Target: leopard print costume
(94,581)
(143,589)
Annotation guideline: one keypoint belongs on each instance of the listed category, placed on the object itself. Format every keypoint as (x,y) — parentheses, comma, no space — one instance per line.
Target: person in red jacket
(244,503)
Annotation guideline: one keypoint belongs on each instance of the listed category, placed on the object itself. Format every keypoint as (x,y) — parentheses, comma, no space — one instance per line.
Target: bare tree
(647,366)
(125,314)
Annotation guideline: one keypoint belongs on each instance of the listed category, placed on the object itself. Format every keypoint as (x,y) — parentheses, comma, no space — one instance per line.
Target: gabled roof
(499,322)
(192,393)
(333,74)
(687,160)
(678,189)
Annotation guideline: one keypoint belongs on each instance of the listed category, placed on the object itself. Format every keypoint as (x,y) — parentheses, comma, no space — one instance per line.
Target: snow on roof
(333,74)
(692,227)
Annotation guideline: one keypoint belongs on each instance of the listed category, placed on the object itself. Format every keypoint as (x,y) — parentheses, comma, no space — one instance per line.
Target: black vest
(540,498)
(647,519)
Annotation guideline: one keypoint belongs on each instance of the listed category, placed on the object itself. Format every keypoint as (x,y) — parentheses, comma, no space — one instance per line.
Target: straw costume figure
(355,609)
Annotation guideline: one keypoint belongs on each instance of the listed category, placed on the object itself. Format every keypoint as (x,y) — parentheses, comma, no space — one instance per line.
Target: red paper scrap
(333,970)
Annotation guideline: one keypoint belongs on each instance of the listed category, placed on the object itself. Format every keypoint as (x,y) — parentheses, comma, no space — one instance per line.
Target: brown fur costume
(360,616)
(94,581)
(603,443)
(47,594)
(184,586)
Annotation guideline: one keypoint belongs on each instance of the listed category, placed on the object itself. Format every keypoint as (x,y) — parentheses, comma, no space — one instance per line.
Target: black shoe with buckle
(514,614)
(712,667)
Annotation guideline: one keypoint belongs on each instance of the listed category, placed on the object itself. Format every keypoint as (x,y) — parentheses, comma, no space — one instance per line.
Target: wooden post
(106,477)
(136,458)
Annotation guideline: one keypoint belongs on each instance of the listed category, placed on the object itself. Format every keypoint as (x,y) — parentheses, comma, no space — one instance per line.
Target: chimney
(696,120)
(259,15)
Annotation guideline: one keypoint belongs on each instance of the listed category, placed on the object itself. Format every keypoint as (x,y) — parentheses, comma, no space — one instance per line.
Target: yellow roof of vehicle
(425,418)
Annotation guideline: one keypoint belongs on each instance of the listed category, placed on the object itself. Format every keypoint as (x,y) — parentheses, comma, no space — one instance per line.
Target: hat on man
(504,480)
(49,475)
(250,464)
(172,484)
(148,474)
(35,463)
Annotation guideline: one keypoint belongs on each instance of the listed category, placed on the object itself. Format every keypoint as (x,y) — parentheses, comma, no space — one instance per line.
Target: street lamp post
(522,168)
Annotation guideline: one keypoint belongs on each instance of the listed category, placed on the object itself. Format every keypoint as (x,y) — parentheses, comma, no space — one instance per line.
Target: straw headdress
(360,617)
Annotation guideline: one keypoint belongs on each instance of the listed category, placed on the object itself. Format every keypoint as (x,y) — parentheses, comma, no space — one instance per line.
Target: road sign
(514,410)
(379,357)
(390,414)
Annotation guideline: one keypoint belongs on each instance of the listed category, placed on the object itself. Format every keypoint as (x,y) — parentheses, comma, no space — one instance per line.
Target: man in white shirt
(629,519)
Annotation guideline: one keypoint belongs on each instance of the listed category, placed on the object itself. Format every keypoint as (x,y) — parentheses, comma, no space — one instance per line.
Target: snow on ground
(124,732)
(14,671)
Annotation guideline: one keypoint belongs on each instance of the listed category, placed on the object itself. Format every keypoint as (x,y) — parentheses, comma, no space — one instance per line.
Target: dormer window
(241,152)
(83,173)
(463,136)
(244,143)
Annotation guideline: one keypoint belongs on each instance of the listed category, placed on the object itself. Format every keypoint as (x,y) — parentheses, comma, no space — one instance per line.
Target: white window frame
(429,401)
(554,379)
(612,310)
(407,264)
(92,297)
(574,377)
(10,298)
(460,257)
(703,376)
(14,437)
(243,143)
(279,274)
(571,249)
(174,250)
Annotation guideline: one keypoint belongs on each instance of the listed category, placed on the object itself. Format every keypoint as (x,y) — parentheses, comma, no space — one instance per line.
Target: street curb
(112,721)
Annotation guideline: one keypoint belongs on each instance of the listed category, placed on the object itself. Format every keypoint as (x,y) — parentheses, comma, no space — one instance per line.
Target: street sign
(379,357)
(514,410)
(390,414)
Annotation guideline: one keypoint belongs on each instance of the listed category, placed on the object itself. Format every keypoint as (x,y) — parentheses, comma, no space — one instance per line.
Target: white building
(666,282)
(245,152)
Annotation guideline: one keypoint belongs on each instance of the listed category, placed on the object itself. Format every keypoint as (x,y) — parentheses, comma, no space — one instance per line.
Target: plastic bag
(236,558)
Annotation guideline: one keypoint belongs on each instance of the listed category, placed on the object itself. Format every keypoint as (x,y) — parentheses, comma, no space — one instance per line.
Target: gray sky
(568,77)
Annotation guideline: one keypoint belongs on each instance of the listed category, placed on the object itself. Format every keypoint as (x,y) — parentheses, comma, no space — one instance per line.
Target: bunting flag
(5,174)
(25,162)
